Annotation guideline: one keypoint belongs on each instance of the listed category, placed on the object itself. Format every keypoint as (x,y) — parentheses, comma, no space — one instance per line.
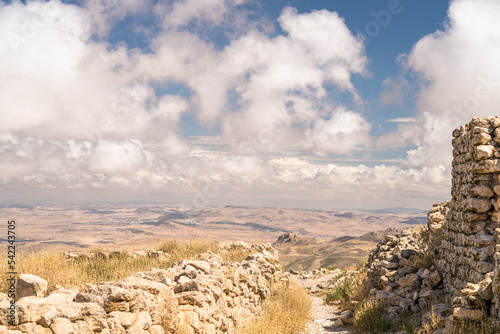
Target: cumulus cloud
(106,13)
(342,133)
(394,91)
(59,83)
(80,113)
(277,83)
(461,78)
(181,13)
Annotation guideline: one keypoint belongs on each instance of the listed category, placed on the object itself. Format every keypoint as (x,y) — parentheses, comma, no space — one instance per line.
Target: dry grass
(235,255)
(286,312)
(485,326)
(56,270)
(370,317)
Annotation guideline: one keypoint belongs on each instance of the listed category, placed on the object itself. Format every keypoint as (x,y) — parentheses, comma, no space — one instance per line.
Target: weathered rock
(156,329)
(409,280)
(199,265)
(193,298)
(30,285)
(486,287)
(432,280)
(82,297)
(462,314)
(347,317)
(142,323)
(441,312)
(202,296)
(125,319)
(32,328)
(62,326)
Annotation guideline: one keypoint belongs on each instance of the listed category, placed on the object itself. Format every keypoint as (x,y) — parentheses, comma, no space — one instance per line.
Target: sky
(306,104)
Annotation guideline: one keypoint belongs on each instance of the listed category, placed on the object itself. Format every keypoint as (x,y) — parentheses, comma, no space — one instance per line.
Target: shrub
(486,326)
(408,322)
(341,291)
(370,317)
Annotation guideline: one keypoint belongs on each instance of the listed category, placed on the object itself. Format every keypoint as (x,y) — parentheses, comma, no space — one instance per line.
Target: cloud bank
(460,79)
(81,112)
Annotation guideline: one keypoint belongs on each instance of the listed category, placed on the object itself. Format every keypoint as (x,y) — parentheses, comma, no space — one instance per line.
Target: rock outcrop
(287,238)
(205,295)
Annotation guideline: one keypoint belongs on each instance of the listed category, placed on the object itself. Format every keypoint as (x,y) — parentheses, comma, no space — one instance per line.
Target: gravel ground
(326,319)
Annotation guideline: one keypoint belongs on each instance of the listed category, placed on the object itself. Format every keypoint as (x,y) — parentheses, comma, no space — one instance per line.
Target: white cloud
(402,120)
(106,13)
(341,134)
(58,83)
(394,91)
(181,13)
(78,113)
(114,157)
(278,83)
(332,45)
(461,75)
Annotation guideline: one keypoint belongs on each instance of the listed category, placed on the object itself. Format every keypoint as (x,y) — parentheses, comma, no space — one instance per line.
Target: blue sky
(313,104)
(386,38)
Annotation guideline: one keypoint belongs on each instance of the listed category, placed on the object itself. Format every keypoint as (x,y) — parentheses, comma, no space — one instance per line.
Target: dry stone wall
(461,240)
(466,252)
(202,296)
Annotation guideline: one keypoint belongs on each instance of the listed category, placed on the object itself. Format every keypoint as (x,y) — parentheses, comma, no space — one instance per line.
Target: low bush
(370,317)
(341,291)
(486,326)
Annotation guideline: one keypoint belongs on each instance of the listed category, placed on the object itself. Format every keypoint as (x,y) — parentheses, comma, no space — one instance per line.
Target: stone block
(30,285)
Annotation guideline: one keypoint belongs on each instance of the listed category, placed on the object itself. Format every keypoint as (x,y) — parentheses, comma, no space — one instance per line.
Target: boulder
(30,285)
(62,326)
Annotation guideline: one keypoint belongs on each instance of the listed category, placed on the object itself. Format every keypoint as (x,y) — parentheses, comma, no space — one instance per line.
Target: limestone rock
(462,314)
(62,326)
(30,285)
(201,296)
(410,280)
(156,329)
(32,328)
(347,317)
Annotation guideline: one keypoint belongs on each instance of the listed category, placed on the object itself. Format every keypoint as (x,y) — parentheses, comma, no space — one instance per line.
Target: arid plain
(128,227)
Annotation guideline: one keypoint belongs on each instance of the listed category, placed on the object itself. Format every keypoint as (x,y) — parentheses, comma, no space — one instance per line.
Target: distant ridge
(398,210)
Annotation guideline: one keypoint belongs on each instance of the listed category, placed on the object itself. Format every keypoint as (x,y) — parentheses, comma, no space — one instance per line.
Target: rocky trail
(326,318)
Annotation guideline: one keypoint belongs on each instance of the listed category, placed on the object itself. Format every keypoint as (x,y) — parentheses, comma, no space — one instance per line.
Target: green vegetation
(341,291)
(486,326)
(370,317)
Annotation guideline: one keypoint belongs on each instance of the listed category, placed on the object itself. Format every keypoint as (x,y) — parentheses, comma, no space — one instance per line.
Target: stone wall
(460,247)
(466,252)
(202,296)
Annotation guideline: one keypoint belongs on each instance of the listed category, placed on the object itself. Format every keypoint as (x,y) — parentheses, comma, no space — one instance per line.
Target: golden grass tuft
(57,271)
(287,311)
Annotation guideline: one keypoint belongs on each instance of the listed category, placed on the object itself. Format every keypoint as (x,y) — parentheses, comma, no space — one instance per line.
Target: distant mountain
(398,210)
(16,205)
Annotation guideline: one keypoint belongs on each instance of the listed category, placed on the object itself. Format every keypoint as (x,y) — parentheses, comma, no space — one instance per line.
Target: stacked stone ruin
(463,238)
(466,252)
(200,296)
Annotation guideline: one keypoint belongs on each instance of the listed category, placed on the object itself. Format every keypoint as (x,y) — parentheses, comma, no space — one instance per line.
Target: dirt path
(326,319)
